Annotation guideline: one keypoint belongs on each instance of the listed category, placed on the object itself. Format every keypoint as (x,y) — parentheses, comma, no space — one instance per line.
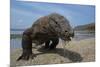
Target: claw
(26,57)
(19,58)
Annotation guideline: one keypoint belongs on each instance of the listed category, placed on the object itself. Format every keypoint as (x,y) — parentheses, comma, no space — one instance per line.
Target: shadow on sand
(72,56)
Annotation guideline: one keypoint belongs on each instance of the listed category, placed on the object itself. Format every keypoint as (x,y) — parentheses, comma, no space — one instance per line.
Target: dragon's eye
(53,20)
(66,31)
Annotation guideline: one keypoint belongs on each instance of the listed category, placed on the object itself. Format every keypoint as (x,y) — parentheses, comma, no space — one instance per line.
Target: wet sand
(76,51)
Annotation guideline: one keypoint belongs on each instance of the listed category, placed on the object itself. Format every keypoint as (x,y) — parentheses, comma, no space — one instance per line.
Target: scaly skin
(46,29)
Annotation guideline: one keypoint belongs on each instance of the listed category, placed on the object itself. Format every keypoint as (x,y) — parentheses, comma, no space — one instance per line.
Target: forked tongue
(64,43)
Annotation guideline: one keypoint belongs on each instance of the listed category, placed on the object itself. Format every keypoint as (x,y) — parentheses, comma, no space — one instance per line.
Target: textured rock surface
(76,51)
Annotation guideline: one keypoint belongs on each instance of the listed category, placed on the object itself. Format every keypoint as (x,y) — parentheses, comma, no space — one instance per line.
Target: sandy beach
(76,51)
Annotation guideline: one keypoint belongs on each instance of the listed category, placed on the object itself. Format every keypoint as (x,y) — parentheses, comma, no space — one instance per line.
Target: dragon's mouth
(66,38)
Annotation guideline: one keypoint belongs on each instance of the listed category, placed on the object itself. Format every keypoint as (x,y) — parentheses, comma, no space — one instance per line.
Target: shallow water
(81,36)
(16,42)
